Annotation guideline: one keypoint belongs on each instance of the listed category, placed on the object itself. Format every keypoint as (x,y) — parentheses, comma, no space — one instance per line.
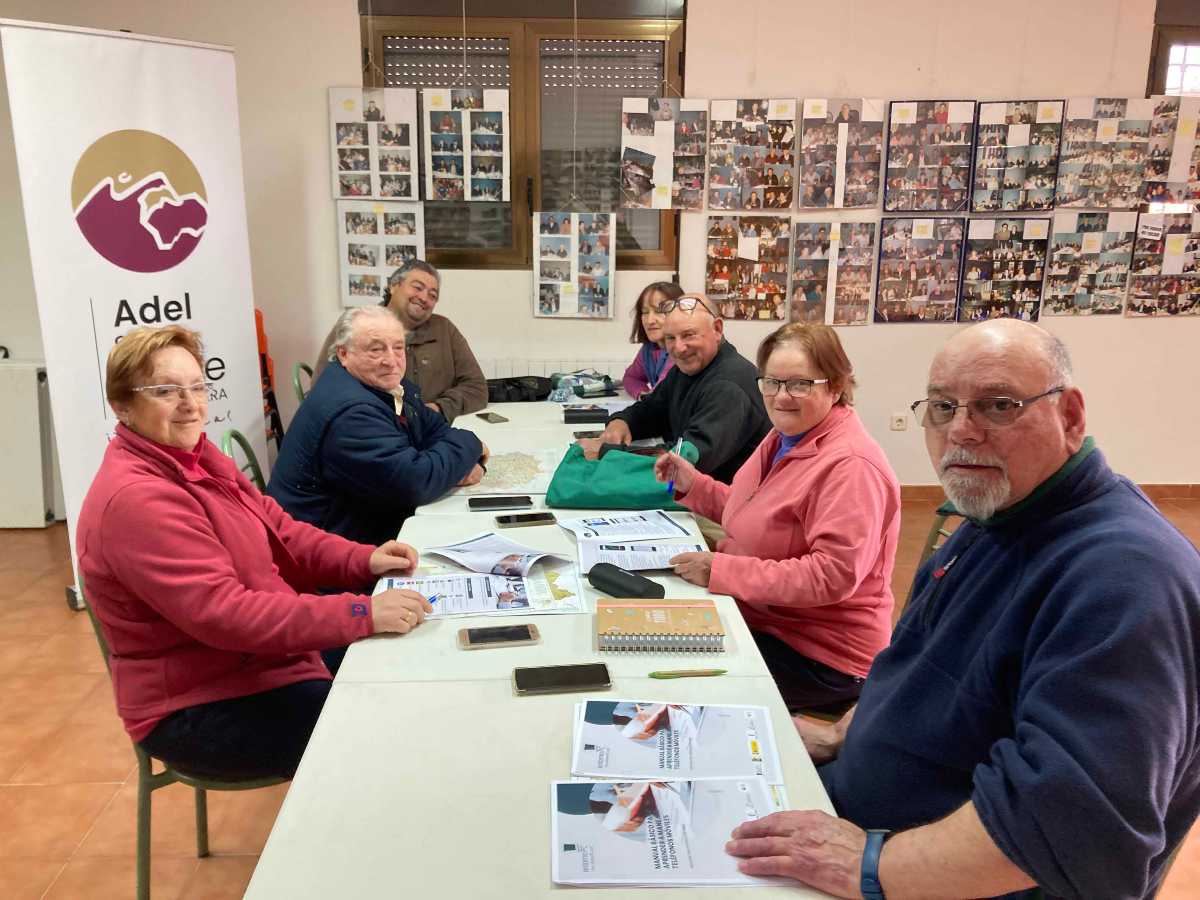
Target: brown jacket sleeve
(322,359)
(468,390)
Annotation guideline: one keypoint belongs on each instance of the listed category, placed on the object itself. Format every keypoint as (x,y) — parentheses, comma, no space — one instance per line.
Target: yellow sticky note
(348,105)
(436,101)
(923,229)
(662,190)
(1092,242)
(568,288)
(1175,244)
(1106,129)
(377,209)
(835,231)
(1187,128)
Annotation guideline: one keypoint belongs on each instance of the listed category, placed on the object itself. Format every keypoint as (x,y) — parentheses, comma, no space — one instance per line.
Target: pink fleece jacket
(203,586)
(811,542)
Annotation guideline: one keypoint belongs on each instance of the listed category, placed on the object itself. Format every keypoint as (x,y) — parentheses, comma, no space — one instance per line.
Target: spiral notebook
(659,625)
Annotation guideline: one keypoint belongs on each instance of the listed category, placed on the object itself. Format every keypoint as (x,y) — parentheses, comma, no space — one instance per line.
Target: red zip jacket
(203,586)
(812,542)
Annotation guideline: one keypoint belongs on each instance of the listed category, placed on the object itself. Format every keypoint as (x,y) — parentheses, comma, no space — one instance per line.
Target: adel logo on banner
(139,201)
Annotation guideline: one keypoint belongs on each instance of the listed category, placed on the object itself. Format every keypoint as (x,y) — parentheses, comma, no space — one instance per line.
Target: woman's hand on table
(694,567)
(393,556)
(398,610)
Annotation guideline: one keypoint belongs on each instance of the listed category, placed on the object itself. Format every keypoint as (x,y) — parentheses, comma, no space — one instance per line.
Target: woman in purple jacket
(652,362)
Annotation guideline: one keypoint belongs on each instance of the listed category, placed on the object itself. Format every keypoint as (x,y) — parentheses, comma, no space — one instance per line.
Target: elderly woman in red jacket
(207,591)
(812,520)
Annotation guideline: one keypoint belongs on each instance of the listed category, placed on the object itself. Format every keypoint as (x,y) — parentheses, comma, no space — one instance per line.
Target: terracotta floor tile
(14,651)
(240,821)
(173,823)
(49,821)
(81,753)
(14,582)
(24,614)
(220,878)
(117,877)
(33,700)
(98,707)
(67,651)
(21,743)
(27,879)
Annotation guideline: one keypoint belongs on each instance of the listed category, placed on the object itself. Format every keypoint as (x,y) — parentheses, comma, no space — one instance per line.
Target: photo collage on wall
(373,135)
(1006,264)
(1089,263)
(1105,141)
(841,148)
(751,154)
(466,144)
(375,237)
(929,155)
(850,246)
(1016,155)
(920,261)
(746,265)
(1165,275)
(662,153)
(1172,172)
(574,265)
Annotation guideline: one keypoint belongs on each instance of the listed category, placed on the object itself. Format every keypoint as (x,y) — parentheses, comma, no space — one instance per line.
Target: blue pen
(671,483)
(433,599)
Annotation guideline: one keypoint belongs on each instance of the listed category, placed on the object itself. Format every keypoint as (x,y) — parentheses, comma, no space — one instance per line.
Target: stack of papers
(691,774)
(634,526)
(502,580)
(631,557)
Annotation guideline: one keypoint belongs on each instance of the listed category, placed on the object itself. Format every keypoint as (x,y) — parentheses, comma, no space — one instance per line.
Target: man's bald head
(984,466)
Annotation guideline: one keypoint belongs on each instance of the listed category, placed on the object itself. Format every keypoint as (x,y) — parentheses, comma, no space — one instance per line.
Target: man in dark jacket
(1032,729)
(364,451)
(709,398)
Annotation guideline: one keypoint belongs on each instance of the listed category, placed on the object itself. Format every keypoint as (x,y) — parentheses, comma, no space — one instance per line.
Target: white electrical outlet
(899,422)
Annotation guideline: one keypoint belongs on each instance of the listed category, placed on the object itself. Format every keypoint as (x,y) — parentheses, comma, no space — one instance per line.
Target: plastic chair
(297,383)
(250,467)
(150,781)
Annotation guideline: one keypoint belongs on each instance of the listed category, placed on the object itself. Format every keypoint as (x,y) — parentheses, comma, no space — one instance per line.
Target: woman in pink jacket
(207,591)
(652,362)
(812,520)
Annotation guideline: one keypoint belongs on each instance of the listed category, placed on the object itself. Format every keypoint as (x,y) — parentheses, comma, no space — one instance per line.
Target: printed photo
(364,285)
(919,265)
(354,185)
(554,223)
(393,135)
(398,254)
(466,98)
(445,123)
(487,123)
(399,223)
(373,107)
(548,299)
(487,189)
(637,178)
(351,134)
(395,186)
(354,160)
(554,247)
(1003,274)
(363,255)
(393,160)
(361,223)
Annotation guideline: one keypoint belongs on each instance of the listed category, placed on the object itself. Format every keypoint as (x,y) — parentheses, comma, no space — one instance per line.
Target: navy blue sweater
(349,466)
(1046,671)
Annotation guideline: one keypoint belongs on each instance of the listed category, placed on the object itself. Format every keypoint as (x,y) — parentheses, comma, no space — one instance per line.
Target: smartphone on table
(513,501)
(559,679)
(520,520)
(580,435)
(491,417)
(497,636)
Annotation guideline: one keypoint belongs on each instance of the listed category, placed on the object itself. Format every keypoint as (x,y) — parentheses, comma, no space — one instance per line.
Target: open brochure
(492,554)
(548,589)
(633,526)
(652,833)
(631,557)
(652,739)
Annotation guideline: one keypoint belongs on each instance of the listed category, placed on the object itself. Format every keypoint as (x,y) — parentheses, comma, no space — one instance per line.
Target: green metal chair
(150,781)
(297,382)
(250,467)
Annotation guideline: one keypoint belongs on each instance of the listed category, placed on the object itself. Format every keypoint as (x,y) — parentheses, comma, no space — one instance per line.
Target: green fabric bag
(618,481)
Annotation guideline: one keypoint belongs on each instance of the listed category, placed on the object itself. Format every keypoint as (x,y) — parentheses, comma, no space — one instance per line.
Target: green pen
(689,673)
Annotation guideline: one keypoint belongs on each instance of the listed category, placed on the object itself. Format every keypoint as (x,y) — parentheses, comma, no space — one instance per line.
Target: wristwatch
(869,880)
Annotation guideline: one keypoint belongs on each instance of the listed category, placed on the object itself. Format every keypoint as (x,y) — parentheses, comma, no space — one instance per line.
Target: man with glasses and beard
(1032,729)
(710,398)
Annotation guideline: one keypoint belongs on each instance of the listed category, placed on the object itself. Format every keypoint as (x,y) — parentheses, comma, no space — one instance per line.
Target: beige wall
(1141,377)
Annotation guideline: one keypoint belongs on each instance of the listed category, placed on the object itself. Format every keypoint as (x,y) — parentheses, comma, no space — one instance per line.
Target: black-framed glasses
(795,387)
(989,412)
(687,304)
(197,392)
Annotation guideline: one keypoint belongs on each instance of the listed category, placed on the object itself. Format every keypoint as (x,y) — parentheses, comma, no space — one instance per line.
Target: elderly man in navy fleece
(1033,724)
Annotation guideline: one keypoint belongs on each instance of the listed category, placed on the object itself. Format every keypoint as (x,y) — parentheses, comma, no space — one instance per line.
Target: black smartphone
(497,636)
(579,435)
(494,418)
(523,501)
(517,520)
(556,679)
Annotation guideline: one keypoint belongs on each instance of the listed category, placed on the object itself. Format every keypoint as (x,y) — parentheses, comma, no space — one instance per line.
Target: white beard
(973,496)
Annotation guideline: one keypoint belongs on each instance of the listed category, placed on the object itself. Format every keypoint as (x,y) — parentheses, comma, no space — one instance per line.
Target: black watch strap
(869,880)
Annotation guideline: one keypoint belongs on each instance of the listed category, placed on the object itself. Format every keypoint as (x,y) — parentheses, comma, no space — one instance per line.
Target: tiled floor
(67,785)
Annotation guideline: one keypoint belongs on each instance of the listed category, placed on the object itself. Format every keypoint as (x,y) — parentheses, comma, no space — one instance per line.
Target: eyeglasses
(687,304)
(796,387)
(198,392)
(989,412)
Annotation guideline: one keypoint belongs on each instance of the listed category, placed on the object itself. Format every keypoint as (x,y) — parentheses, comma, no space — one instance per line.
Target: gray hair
(411,265)
(343,329)
(1058,359)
